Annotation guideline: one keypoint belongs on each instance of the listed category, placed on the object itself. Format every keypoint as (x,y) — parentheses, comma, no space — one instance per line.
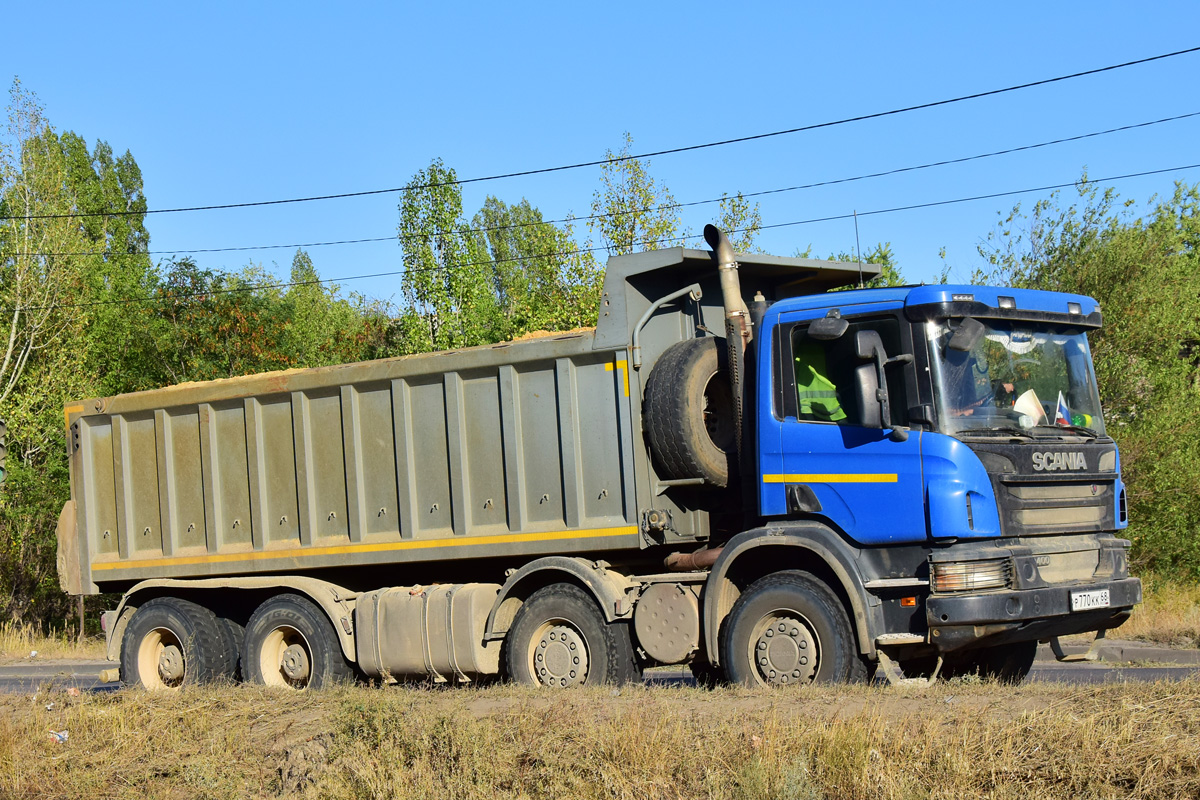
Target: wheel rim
(286,658)
(558,655)
(718,412)
(160,660)
(784,649)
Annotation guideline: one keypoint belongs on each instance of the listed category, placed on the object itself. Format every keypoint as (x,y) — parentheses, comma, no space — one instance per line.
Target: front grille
(1035,506)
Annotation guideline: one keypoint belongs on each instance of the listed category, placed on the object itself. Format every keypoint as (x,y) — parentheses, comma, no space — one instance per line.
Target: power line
(581,251)
(618,159)
(669,206)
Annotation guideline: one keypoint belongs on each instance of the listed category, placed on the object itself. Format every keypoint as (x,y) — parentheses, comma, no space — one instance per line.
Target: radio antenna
(858,248)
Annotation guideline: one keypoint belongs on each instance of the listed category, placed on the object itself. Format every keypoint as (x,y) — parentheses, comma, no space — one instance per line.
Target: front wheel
(789,628)
(291,643)
(559,638)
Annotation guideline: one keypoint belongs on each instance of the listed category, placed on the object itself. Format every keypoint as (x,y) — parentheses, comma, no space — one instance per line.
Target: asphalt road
(29,677)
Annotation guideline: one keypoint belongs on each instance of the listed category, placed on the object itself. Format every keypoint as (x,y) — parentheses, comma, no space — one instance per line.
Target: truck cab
(950,441)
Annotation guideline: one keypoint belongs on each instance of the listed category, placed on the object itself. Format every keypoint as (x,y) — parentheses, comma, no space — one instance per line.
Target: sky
(236,102)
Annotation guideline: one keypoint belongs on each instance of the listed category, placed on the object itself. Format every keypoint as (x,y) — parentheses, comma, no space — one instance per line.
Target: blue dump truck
(739,468)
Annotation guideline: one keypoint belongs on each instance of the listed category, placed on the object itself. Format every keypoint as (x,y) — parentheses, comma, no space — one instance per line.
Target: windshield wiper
(1007,429)
(1080,429)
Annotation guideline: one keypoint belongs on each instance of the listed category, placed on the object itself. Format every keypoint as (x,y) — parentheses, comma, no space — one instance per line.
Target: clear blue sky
(228,102)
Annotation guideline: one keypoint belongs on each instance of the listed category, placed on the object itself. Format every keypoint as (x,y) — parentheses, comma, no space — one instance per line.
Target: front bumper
(969,620)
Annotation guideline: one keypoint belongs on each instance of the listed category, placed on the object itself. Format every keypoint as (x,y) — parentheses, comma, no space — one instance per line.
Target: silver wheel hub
(170,664)
(785,651)
(294,663)
(560,656)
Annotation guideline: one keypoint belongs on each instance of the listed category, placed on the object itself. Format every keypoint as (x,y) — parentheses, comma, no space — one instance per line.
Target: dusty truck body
(569,509)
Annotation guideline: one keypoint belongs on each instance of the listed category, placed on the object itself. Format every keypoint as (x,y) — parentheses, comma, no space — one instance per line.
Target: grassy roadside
(951,741)
(19,641)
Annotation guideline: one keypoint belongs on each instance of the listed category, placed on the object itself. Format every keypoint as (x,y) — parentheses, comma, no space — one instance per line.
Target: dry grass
(952,741)
(1170,614)
(18,641)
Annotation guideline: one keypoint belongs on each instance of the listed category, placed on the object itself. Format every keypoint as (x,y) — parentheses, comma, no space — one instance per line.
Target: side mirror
(967,335)
(870,382)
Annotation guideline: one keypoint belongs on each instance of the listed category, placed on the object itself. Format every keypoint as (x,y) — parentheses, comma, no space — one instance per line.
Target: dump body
(505,451)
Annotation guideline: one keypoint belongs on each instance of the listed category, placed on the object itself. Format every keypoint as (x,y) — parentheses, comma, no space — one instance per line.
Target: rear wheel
(170,643)
(559,639)
(789,628)
(291,643)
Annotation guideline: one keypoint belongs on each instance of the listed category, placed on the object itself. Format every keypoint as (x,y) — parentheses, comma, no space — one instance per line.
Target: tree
(35,276)
(1144,269)
(631,211)
(881,255)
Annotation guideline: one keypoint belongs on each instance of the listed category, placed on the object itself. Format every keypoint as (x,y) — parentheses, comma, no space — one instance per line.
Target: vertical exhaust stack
(738,331)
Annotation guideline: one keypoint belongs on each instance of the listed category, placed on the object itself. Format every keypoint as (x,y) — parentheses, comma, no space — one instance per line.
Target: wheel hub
(170,664)
(560,657)
(785,651)
(295,664)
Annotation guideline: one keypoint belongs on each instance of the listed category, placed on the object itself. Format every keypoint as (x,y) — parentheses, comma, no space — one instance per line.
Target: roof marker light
(963,298)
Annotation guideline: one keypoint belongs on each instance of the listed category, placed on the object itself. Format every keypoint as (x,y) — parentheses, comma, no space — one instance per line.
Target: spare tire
(688,413)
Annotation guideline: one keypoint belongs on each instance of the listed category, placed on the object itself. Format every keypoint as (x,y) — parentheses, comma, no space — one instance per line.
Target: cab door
(818,459)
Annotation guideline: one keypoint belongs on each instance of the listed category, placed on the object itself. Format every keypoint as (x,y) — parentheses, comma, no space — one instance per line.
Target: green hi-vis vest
(817,395)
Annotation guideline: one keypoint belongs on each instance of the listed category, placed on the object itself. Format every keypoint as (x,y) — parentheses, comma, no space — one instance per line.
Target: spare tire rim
(718,411)
(784,649)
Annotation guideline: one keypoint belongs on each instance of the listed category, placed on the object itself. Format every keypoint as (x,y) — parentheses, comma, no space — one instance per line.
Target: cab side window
(824,373)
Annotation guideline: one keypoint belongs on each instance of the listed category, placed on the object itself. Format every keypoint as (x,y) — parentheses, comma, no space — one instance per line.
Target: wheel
(170,643)
(789,628)
(232,636)
(1008,663)
(290,642)
(559,638)
(689,414)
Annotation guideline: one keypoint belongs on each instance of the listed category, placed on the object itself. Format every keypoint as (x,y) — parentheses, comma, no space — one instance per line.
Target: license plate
(1086,601)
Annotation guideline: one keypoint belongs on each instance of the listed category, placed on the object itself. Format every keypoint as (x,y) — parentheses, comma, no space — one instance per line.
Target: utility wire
(618,159)
(166,298)
(668,206)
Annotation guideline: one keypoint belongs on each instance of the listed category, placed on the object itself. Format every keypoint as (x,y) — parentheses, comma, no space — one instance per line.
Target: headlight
(968,576)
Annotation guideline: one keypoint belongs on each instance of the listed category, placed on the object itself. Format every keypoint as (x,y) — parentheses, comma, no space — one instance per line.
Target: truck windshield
(1032,378)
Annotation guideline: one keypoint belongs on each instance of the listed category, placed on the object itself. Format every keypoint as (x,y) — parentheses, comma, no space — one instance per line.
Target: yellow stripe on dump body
(381,547)
(842,478)
(622,365)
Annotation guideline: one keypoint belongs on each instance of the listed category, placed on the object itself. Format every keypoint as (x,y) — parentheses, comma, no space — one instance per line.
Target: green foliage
(1144,268)
(503,274)
(631,211)
(889,273)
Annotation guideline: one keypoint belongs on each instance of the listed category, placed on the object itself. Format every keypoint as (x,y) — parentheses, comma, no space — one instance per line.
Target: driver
(972,385)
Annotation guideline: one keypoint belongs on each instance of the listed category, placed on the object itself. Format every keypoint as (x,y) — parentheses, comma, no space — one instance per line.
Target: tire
(1009,663)
(559,639)
(171,643)
(688,412)
(789,628)
(291,643)
(232,637)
